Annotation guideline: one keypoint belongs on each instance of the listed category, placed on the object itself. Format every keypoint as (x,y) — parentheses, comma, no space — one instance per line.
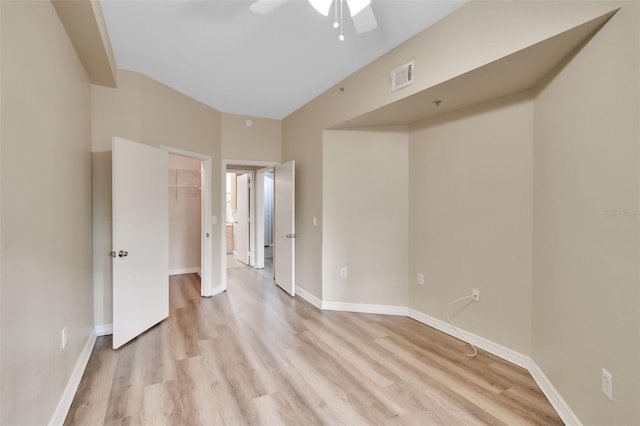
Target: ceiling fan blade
(365,20)
(321,6)
(355,6)
(265,7)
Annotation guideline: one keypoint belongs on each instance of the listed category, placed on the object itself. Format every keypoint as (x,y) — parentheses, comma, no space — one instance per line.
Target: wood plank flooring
(256,356)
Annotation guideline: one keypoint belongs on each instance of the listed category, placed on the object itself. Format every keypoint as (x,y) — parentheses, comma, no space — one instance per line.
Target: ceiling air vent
(403,76)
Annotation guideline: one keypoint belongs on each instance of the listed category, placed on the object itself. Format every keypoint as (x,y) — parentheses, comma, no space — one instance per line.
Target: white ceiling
(236,61)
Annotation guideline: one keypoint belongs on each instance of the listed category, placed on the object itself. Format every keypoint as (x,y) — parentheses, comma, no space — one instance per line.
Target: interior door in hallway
(284,226)
(241,224)
(140,238)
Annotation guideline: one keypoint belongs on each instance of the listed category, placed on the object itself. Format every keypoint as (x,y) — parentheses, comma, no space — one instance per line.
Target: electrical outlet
(420,279)
(64,337)
(607,384)
(476,295)
(343,272)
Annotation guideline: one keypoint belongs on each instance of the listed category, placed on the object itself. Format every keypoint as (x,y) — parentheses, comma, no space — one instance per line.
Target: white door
(205,228)
(140,238)
(284,228)
(241,224)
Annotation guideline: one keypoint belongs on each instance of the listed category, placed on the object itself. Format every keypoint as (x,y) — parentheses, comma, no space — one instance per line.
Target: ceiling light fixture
(356,6)
(363,23)
(335,23)
(321,6)
(360,10)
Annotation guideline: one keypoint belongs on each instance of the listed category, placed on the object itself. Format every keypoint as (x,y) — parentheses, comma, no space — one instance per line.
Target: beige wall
(233,191)
(586,284)
(1,117)
(470,177)
(474,35)
(184,213)
(584,290)
(302,142)
(365,202)
(46,211)
(84,23)
(262,142)
(527,179)
(115,112)
(146,111)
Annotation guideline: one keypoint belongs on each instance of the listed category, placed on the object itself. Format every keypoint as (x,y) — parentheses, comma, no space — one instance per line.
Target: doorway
(184,215)
(141,186)
(249,198)
(240,223)
(265,215)
(206,221)
(267,243)
(282,237)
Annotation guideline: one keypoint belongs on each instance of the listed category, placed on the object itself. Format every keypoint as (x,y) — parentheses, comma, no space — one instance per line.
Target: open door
(284,228)
(241,223)
(140,238)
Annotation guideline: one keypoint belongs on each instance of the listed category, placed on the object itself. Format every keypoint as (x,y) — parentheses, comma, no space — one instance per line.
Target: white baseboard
(557,402)
(104,330)
(182,271)
(484,344)
(365,308)
(309,297)
(217,290)
(62,409)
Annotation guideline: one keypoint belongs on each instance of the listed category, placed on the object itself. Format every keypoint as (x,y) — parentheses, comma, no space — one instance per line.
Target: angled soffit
(520,71)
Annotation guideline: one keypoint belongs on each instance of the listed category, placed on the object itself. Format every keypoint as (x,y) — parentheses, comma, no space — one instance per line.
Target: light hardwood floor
(254,355)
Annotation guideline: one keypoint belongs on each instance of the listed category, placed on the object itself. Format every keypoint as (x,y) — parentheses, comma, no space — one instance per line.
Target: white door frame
(260,174)
(206,220)
(252,222)
(223,209)
(284,242)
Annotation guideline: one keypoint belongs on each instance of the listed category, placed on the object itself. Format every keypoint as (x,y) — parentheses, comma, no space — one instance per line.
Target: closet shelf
(184,180)
(185,172)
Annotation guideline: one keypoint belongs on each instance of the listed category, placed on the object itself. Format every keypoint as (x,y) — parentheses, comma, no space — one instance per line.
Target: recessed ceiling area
(236,61)
(517,72)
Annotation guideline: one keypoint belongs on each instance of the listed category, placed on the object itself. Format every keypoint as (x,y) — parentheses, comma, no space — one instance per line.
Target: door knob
(123,253)
(206,235)
(112,253)
(292,235)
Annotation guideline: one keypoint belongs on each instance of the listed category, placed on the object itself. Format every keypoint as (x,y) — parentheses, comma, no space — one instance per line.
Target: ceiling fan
(361,13)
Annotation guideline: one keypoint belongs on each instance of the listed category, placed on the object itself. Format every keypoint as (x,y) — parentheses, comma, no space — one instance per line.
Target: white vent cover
(402,76)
